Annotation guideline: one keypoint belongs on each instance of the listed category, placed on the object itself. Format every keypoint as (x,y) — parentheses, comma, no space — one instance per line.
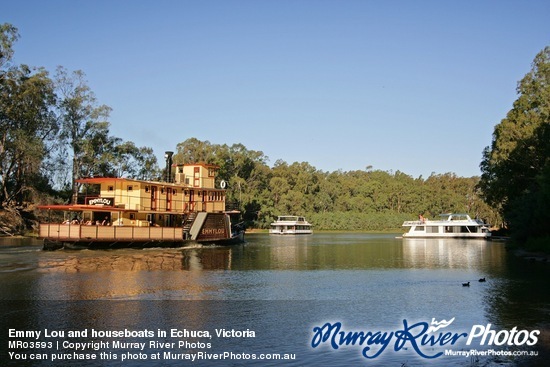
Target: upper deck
(290,219)
(446,219)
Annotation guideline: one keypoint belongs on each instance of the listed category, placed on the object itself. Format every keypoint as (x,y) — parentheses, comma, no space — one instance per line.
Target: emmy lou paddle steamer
(122,212)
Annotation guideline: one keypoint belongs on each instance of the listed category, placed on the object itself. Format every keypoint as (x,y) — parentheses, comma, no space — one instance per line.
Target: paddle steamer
(123,212)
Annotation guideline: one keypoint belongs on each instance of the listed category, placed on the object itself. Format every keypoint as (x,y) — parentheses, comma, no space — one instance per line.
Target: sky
(410,86)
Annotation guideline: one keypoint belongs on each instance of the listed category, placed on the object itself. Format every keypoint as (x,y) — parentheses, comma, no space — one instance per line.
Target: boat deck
(77,232)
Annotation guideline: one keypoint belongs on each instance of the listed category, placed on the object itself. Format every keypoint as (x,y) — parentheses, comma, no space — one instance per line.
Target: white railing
(413,223)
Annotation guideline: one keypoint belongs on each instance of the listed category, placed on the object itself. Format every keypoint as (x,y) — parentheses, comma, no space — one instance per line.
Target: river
(274,297)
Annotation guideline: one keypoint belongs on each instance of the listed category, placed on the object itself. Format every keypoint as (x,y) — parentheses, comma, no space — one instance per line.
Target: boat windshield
(454,216)
(290,218)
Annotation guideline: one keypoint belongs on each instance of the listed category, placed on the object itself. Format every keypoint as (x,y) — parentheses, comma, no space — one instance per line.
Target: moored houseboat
(450,225)
(290,225)
(123,212)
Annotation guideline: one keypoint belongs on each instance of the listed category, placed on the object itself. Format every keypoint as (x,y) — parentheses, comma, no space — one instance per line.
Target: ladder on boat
(192,225)
(187,224)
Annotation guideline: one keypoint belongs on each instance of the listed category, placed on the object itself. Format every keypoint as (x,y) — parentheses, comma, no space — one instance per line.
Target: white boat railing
(413,223)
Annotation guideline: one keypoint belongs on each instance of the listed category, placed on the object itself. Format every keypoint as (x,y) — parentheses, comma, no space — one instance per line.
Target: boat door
(154,198)
(168,199)
(191,200)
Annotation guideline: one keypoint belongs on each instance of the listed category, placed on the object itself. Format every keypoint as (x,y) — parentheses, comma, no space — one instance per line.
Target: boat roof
(77,208)
(100,180)
(454,215)
(290,217)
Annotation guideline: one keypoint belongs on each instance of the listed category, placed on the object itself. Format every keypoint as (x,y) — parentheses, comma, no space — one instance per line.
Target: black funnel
(168,157)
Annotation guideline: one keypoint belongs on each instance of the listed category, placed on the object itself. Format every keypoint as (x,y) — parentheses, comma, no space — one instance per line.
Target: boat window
(419,228)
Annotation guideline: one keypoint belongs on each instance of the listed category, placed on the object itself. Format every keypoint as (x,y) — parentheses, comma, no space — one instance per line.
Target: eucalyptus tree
(85,129)
(515,167)
(134,162)
(193,150)
(8,36)
(27,124)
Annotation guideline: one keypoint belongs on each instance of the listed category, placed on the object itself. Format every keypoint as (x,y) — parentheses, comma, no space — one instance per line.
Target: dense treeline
(516,167)
(354,200)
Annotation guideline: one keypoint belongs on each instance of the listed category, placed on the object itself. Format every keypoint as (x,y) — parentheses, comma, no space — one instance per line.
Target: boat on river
(121,212)
(450,225)
(290,225)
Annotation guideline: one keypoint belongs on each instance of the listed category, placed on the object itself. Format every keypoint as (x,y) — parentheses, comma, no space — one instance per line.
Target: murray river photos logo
(428,340)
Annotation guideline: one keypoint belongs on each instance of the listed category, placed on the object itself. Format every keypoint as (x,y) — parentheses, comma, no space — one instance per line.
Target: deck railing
(77,232)
(413,222)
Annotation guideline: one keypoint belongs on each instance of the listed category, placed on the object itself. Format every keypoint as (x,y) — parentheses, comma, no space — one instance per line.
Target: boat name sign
(101,201)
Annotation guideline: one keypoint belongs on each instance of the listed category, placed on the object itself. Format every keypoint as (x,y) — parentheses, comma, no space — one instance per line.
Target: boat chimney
(168,157)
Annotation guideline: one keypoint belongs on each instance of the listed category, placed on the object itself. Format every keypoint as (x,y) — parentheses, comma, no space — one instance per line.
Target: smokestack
(168,157)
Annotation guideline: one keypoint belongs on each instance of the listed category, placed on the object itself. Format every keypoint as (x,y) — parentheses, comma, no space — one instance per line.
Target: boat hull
(289,233)
(452,235)
(53,245)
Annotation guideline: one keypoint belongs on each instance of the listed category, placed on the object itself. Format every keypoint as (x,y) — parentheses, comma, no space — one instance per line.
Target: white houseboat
(290,224)
(449,225)
(123,212)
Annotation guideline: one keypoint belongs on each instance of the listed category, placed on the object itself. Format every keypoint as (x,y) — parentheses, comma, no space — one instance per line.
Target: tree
(515,166)
(193,150)
(8,36)
(27,124)
(134,162)
(85,128)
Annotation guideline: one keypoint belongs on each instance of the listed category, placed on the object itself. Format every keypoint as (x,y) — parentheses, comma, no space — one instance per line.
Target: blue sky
(414,86)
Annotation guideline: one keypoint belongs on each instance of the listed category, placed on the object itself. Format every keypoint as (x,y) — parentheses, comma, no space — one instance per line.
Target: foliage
(516,167)
(53,131)
(355,200)
(27,126)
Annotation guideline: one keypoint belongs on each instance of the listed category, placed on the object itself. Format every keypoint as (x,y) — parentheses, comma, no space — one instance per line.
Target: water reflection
(459,253)
(362,251)
(218,258)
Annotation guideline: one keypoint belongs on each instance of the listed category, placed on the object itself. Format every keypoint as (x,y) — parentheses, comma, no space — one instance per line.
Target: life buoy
(223,184)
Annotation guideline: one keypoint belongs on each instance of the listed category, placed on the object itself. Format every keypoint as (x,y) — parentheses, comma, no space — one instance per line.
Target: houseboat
(290,224)
(449,225)
(122,212)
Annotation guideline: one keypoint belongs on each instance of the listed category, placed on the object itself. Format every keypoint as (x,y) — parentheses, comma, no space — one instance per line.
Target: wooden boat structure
(121,212)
